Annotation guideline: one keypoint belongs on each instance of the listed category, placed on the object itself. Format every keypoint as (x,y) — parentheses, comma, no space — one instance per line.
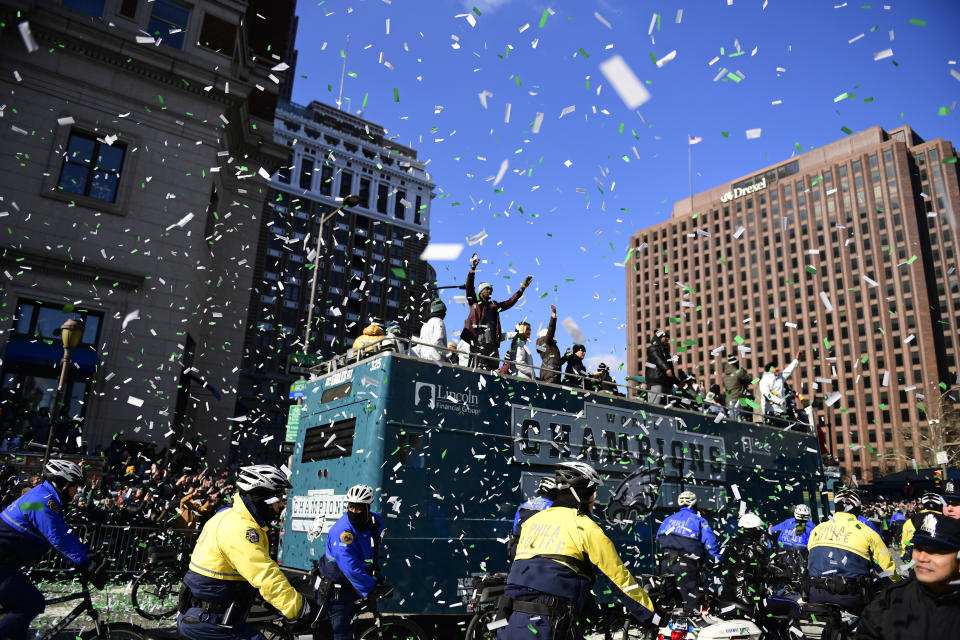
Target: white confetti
(667,58)
(181,222)
(909,338)
(65,121)
(825,299)
(880,55)
(753,134)
(441,251)
(27,36)
(602,20)
(477,238)
(625,82)
(538,122)
(833,397)
(145,40)
(483,95)
(567,110)
(137,402)
(130,317)
(264,173)
(501,172)
(870,281)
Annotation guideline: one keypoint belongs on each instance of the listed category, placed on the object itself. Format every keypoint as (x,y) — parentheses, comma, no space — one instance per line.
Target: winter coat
(482,313)
(371,335)
(575,367)
(519,357)
(908,611)
(736,381)
(772,387)
(550,357)
(433,334)
(658,363)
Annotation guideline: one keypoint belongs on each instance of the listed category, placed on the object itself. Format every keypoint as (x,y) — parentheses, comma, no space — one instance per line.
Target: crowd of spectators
(136,488)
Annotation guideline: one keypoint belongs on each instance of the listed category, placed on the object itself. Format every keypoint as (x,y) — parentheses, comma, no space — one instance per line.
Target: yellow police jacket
(909,528)
(843,546)
(232,547)
(556,554)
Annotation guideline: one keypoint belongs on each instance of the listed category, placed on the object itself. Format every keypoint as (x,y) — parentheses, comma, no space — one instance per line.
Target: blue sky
(574,192)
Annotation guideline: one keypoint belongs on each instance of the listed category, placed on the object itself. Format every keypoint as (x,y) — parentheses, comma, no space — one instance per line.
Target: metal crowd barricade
(125,546)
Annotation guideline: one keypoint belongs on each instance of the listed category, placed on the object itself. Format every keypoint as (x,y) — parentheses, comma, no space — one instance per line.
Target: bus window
(410,450)
(328,441)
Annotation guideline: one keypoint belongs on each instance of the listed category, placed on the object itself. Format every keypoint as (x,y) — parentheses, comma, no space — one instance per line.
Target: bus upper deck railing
(588,383)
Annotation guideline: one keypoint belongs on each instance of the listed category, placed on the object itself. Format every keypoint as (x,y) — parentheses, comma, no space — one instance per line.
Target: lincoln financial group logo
(432,397)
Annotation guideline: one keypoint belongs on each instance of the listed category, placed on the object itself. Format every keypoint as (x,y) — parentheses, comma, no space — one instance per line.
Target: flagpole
(690,169)
(343,72)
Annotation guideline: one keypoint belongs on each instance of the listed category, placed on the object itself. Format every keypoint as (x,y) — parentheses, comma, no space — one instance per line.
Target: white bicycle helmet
(687,499)
(547,485)
(801,512)
(847,501)
(576,474)
(932,502)
(262,480)
(750,521)
(360,494)
(63,472)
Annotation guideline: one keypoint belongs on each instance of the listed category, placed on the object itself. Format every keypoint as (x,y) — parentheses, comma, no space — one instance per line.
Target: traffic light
(938,479)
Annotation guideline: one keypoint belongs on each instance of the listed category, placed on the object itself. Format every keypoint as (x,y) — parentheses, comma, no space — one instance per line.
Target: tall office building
(369,259)
(847,254)
(133,135)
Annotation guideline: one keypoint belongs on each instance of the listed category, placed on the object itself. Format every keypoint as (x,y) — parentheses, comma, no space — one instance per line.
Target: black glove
(303,622)
(95,571)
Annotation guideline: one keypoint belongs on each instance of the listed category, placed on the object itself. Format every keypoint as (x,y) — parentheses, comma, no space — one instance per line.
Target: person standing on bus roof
(549,351)
(351,561)
(543,499)
(683,540)
(519,360)
(575,375)
(372,334)
(433,334)
(561,549)
(482,326)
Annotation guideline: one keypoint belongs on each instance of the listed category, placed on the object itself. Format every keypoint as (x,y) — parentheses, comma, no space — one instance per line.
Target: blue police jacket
(352,554)
(527,509)
(897,517)
(687,532)
(33,523)
(788,533)
(868,523)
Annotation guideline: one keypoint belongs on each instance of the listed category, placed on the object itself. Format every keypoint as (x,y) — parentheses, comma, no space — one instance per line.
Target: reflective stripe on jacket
(33,523)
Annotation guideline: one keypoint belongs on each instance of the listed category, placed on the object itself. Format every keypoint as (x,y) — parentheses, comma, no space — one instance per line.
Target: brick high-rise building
(846,253)
(370,262)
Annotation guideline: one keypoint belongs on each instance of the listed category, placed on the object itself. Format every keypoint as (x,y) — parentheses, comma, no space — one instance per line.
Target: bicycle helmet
(547,486)
(687,499)
(750,521)
(801,512)
(360,494)
(262,481)
(847,501)
(932,502)
(576,474)
(63,473)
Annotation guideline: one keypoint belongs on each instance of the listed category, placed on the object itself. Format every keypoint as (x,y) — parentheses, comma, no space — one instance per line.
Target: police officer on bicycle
(684,539)
(543,500)
(29,526)
(794,533)
(350,566)
(231,562)
(561,549)
(929,503)
(844,554)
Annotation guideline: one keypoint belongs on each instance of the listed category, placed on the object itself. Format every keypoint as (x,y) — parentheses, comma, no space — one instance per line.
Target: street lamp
(349,201)
(71,333)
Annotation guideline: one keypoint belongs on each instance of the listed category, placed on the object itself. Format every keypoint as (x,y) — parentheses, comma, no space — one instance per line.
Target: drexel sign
(739,192)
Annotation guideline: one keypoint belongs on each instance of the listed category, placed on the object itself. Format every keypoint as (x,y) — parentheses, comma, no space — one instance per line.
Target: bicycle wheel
(115,631)
(477,629)
(273,631)
(394,629)
(627,629)
(154,594)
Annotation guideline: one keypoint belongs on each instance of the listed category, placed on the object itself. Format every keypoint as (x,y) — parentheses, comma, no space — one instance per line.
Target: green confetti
(734,77)
(400,273)
(396,95)
(799,148)
(919,23)
(725,134)
(811,269)
(846,130)
(365,96)
(477,11)
(738,340)
(944,111)
(583,53)
(543,18)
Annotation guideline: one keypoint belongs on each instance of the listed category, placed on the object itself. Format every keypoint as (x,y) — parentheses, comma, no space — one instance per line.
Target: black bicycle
(486,590)
(100,629)
(155,589)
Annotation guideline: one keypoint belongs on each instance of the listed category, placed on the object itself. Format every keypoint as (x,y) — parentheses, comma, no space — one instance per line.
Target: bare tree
(938,431)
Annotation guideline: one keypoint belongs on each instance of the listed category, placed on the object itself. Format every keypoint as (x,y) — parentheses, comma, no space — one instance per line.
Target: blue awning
(38,352)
